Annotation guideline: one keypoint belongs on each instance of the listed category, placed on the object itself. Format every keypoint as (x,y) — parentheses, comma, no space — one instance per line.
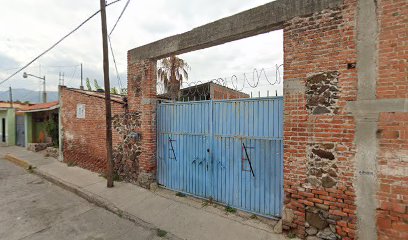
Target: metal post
(82,83)
(109,174)
(11,97)
(44,91)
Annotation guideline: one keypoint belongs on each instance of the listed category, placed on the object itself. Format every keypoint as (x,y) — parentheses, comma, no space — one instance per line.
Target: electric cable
(55,44)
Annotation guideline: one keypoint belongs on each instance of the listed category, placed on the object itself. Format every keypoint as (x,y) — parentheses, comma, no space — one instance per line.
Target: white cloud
(29,27)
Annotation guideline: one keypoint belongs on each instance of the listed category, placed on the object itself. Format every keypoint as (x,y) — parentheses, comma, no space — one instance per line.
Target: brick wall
(142,99)
(84,140)
(392,212)
(393,49)
(221,92)
(319,133)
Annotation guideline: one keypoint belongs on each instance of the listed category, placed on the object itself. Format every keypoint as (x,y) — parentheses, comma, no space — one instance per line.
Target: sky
(29,27)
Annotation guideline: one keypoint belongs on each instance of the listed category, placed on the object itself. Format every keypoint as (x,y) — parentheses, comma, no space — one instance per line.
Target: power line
(73,75)
(55,44)
(43,66)
(114,61)
(120,16)
(110,44)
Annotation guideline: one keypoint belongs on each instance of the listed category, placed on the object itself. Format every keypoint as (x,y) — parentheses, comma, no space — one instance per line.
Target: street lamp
(44,97)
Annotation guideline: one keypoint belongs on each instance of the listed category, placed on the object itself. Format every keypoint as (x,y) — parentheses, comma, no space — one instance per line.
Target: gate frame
(142,61)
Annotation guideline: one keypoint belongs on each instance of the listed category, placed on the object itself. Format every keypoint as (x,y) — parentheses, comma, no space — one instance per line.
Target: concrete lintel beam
(258,20)
(364,107)
(293,86)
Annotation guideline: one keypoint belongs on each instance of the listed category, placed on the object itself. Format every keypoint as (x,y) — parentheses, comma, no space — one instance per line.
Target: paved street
(33,208)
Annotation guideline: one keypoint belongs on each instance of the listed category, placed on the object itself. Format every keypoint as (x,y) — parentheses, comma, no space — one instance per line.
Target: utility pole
(61,78)
(25,75)
(11,97)
(82,83)
(44,91)
(109,159)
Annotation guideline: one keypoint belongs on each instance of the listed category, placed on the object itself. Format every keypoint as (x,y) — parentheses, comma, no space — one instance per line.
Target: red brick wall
(392,213)
(84,140)
(220,92)
(393,49)
(321,43)
(392,220)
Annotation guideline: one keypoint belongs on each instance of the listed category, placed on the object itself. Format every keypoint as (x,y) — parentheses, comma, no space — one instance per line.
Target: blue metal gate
(229,150)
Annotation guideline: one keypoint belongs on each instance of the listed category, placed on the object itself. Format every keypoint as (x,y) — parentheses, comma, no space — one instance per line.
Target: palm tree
(172,72)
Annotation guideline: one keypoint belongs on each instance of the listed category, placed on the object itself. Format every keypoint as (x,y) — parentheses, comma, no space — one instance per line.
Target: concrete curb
(90,197)
(20,162)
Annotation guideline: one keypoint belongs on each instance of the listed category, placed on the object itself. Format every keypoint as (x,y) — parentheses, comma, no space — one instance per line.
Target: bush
(52,130)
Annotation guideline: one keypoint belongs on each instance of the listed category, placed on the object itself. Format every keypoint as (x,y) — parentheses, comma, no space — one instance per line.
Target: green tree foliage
(51,127)
(88,84)
(114,90)
(172,72)
(123,91)
(96,85)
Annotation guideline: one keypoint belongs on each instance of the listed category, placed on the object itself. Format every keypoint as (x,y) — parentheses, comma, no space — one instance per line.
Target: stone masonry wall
(319,79)
(126,153)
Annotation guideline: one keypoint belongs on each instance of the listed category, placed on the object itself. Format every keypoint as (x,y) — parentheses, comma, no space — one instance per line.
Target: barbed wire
(235,86)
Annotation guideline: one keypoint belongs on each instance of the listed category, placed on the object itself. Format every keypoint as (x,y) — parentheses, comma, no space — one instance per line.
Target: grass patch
(230,209)
(117,178)
(210,200)
(161,233)
(71,164)
(30,169)
(253,216)
(207,202)
(291,235)
(180,194)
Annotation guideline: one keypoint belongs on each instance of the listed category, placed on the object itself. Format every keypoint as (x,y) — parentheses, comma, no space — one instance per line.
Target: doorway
(3,130)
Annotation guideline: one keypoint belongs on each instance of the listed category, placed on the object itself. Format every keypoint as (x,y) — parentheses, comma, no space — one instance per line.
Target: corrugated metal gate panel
(205,148)
(182,147)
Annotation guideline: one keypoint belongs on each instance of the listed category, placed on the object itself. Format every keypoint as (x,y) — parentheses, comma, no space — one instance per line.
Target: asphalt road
(33,208)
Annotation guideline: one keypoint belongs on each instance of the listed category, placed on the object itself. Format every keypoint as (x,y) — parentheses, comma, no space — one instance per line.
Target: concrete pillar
(366,184)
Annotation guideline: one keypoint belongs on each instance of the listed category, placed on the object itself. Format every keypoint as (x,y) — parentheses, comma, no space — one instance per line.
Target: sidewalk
(185,218)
